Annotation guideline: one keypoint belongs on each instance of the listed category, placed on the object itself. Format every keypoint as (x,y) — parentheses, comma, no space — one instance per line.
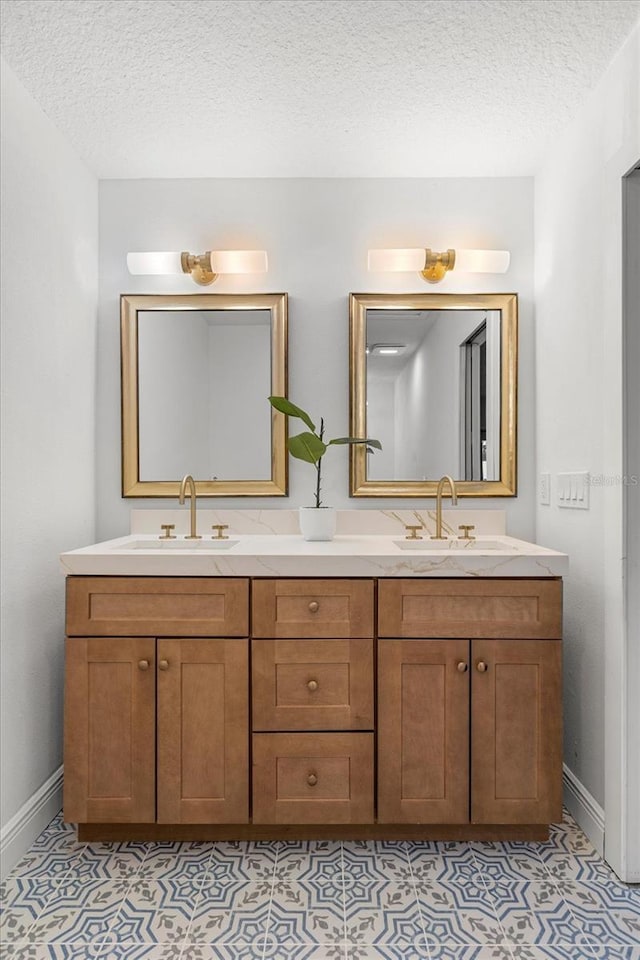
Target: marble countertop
(288,555)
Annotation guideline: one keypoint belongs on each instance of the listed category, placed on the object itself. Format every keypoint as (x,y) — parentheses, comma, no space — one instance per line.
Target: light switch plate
(573,490)
(544,489)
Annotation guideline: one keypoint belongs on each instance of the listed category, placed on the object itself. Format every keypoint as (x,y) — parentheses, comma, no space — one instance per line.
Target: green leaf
(371,443)
(306,446)
(290,410)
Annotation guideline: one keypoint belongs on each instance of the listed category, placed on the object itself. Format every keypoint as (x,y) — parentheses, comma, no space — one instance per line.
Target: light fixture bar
(204,268)
(433,266)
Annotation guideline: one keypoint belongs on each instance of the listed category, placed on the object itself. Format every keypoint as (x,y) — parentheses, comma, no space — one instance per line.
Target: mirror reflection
(196,372)
(433,377)
(433,393)
(191,417)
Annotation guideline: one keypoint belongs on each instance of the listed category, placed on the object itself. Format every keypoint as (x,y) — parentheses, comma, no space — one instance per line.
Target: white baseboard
(585,810)
(33,816)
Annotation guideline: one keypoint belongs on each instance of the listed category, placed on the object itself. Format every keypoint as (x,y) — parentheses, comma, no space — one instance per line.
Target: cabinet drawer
(312,684)
(312,608)
(514,609)
(157,606)
(313,778)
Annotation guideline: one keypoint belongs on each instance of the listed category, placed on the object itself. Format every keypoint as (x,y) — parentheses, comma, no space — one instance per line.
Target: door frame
(622,549)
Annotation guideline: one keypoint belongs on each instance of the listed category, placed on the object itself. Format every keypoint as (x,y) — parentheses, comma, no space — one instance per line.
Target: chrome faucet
(188,481)
(454,501)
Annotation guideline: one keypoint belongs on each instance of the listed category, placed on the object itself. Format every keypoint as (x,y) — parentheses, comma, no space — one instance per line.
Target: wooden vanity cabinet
(470,730)
(156,727)
(220,708)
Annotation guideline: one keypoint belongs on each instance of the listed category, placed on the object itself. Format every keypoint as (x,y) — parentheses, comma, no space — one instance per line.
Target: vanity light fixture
(204,268)
(432,266)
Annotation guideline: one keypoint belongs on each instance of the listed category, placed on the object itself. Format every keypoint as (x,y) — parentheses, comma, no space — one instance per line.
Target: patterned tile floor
(317,901)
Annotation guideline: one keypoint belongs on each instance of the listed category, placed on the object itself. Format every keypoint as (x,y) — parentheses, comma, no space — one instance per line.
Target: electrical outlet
(544,489)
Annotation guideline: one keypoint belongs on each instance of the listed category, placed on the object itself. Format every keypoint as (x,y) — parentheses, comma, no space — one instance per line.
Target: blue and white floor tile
(382,913)
(443,862)
(318,861)
(317,900)
(370,860)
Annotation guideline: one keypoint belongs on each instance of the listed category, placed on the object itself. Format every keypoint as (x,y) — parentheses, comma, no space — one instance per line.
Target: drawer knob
(143,664)
(312,779)
(462,667)
(164,664)
(314,606)
(481,666)
(312,685)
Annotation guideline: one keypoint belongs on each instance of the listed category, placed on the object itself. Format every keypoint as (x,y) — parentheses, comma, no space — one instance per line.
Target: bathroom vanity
(277,688)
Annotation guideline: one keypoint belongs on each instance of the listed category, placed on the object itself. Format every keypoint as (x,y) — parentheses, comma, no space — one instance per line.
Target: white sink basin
(437,546)
(179,544)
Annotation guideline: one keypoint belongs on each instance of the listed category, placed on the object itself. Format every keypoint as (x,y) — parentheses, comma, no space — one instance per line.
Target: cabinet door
(109,730)
(203,731)
(423,731)
(516,722)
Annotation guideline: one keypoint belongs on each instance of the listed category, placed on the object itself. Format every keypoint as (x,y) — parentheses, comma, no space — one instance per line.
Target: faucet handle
(220,527)
(167,535)
(414,528)
(466,527)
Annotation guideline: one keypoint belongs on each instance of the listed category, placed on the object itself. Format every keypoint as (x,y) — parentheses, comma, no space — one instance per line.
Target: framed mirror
(197,371)
(434,378)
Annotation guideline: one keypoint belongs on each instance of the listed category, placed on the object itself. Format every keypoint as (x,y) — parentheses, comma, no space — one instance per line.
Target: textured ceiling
(312,88)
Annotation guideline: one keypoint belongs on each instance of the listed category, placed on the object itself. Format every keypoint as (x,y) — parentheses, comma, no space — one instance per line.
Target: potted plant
(317,522)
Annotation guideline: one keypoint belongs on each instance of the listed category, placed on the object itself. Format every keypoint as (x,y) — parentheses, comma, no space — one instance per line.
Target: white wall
(578,233)
(240,434)
(49,300)
(317,233)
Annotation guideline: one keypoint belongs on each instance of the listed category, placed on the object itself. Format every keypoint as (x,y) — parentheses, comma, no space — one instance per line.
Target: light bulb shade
(482,261)
(154,263)
(408,260)
(238,261)
(413,260)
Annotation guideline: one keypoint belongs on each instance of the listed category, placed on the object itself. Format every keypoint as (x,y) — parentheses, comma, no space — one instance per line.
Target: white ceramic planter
(317,523)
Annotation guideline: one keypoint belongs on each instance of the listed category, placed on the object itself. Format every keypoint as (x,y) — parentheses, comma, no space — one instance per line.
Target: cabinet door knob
(462,667)
(312,779)
(164,664)
(312,685)
(314,606)
(143,664)
(481,666)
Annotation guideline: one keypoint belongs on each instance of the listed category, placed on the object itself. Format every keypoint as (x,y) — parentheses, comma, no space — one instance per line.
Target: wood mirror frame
(130,306)
(507,304)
